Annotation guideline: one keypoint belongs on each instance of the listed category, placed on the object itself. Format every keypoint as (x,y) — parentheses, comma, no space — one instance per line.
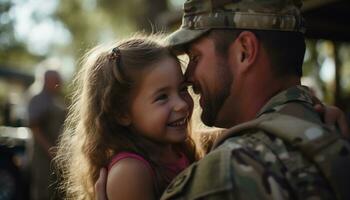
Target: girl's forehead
(166,72)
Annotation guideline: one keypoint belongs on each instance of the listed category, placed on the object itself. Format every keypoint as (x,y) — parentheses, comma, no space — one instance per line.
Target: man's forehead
(200,45)
(195,46)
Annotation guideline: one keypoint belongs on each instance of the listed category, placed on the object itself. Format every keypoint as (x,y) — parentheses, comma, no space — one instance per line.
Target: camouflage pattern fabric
(307,162)
(200,16)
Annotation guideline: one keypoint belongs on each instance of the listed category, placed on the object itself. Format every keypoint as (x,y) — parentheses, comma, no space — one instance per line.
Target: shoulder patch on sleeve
(178,184)
(208,176)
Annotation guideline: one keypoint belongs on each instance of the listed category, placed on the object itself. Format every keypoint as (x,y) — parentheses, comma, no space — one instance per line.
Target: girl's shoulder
(125,162)
(129,175)
(130,165)
(118,158)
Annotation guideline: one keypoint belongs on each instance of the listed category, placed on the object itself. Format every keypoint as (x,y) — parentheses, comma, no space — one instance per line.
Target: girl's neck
(168,154)
(165,153)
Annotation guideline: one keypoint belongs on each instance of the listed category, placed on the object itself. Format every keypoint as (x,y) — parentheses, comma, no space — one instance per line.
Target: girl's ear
(124,120)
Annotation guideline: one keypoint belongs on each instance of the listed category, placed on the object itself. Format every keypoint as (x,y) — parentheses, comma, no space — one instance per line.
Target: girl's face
(161,106)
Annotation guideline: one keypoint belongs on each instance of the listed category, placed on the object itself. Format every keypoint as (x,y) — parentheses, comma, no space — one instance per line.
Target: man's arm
(41,139)
(37,113)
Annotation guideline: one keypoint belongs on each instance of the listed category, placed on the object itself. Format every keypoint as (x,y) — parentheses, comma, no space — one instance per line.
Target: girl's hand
(334,117)
(100,185)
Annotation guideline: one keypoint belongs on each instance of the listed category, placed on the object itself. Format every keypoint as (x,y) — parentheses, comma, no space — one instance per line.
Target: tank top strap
(123,155)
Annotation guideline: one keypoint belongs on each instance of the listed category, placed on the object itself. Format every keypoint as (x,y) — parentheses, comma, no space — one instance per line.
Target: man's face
(211,77)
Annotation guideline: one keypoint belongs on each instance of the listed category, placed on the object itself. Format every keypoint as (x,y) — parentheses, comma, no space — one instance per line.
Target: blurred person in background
(47,113)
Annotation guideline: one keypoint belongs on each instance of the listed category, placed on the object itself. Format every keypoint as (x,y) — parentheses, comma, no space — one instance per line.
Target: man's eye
(193,58)
(161,97)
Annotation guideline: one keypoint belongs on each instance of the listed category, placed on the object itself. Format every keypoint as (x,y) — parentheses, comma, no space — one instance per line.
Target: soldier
(246,62)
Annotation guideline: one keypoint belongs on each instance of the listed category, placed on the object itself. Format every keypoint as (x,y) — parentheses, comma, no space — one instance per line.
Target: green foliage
(13,53)
(90,23)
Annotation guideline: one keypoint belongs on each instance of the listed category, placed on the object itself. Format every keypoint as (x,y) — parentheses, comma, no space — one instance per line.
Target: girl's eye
(161,97)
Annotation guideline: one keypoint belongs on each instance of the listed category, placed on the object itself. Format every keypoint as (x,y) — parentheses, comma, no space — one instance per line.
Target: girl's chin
(179,138)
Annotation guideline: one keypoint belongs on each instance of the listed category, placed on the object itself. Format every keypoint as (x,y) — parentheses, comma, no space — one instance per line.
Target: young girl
(130,113)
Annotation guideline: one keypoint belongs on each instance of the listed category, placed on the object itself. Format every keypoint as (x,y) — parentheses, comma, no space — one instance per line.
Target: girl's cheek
(188,99)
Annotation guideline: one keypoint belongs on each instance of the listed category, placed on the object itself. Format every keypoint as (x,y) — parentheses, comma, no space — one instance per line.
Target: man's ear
(248,48)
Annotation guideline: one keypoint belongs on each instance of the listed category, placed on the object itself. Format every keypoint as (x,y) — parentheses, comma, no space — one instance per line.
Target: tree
(13,53)
(92,22)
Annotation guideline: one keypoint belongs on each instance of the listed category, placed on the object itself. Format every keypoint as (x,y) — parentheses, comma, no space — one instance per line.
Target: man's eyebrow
(189,49)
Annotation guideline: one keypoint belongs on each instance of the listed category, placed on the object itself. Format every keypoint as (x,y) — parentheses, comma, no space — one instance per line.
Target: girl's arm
(130,179)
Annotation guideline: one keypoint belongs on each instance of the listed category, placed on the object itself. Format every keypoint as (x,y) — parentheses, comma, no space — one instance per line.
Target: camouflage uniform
(286,152)
(254,163)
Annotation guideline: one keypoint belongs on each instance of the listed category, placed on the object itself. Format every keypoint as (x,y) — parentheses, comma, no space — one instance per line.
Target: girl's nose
(180,104)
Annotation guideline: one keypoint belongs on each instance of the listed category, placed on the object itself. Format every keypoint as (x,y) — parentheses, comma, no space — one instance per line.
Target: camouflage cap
(200,16)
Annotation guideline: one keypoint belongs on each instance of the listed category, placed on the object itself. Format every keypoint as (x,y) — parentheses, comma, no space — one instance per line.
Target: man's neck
(260,94)
(252,98)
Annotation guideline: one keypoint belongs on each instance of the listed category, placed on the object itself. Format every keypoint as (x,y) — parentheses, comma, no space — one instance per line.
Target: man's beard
(213,102)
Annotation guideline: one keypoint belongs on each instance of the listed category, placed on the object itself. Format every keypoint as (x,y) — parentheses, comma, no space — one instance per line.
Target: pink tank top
(173,168)
(123,155)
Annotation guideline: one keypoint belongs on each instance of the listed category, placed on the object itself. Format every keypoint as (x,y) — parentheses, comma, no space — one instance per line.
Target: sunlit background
(36,35)
(39,34)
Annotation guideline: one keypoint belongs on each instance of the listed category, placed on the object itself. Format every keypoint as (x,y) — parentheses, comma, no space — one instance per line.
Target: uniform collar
(297,93)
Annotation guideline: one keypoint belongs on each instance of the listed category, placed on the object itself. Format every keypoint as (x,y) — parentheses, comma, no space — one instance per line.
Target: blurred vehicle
(15,150)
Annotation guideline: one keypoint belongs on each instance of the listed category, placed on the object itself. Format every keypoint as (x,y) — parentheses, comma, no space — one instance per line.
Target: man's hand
(333,117)
(100,185)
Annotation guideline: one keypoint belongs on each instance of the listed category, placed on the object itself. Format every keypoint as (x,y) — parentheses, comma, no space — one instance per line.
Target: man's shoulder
(38,99)
(305,150)
(227,172)
(267,158)
(238,168)
(210,175)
